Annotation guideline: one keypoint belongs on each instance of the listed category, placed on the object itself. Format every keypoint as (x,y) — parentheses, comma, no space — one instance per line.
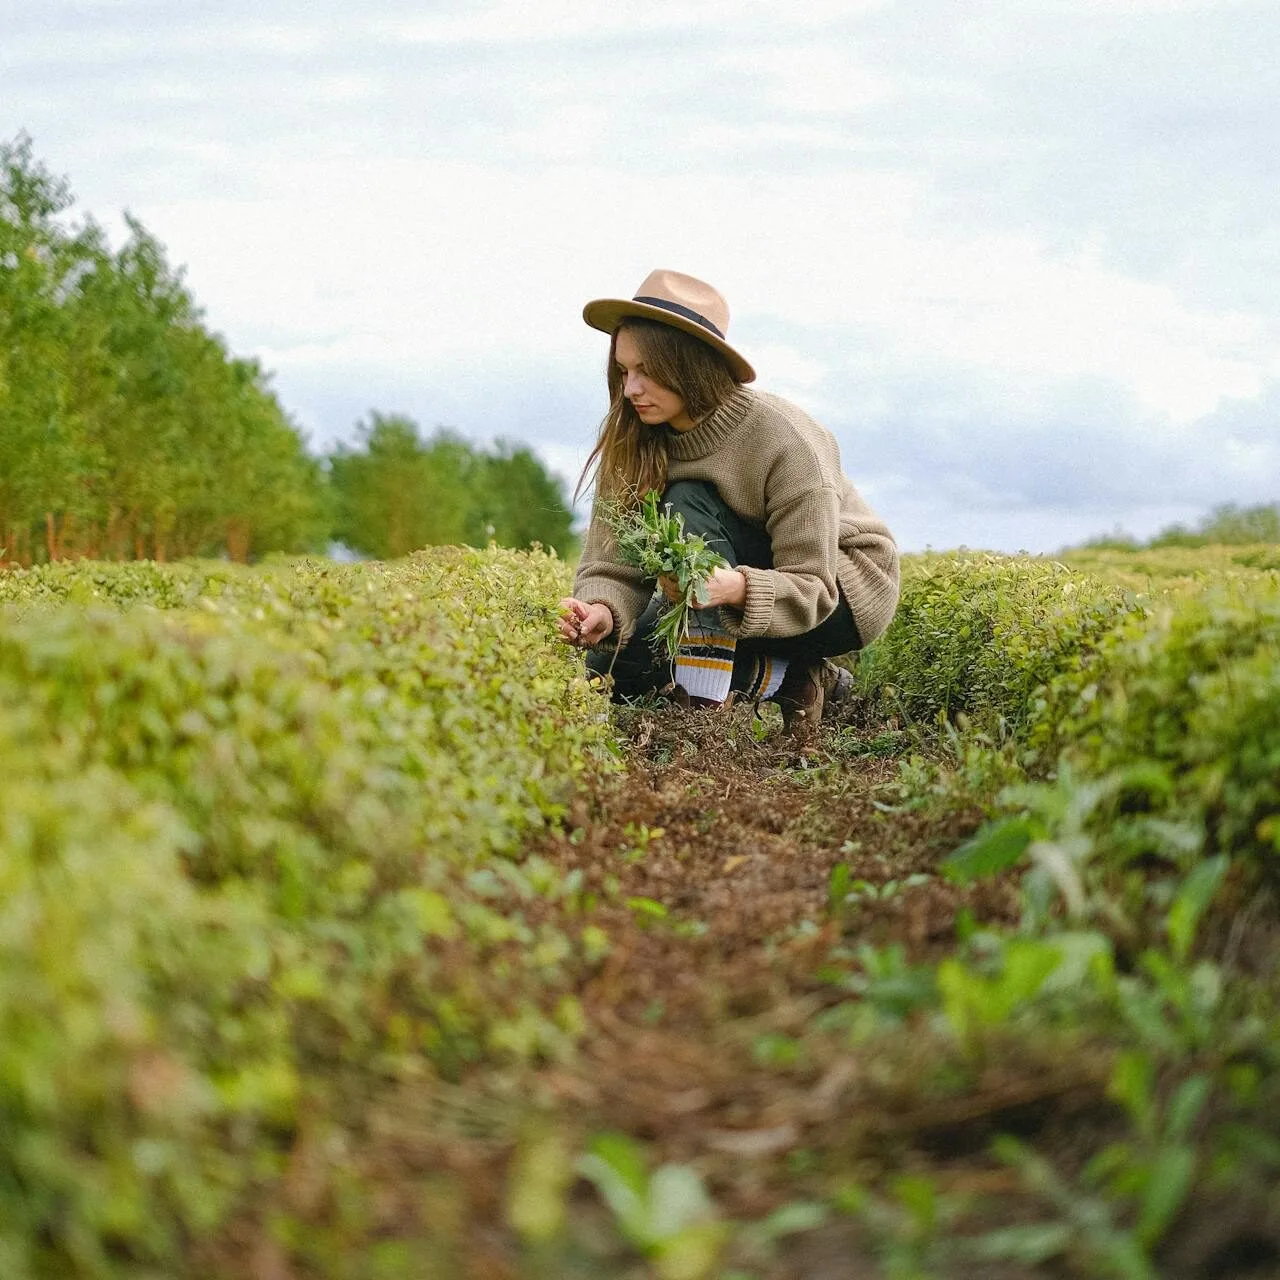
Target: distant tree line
(128,430)
(397,491)
(1227,525)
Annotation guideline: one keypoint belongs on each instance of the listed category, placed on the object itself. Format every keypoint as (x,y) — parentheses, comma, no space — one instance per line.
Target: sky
(1021,257)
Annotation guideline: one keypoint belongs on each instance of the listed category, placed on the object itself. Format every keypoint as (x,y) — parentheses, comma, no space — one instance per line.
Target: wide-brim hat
(680,301)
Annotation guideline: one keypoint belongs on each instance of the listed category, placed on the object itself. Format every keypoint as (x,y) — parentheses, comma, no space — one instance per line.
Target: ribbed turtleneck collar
(714,430)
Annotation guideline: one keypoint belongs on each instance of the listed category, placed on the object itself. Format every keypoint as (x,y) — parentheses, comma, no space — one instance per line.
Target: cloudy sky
(1021,256)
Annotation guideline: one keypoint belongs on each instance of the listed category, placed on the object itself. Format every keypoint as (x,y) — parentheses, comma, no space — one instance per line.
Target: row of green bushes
(1122,729)
(978,634)
(1176,689)
(257,827)
(1180,710)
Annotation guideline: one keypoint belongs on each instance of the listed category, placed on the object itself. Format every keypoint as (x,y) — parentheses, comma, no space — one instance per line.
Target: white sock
(704,664)
(766,678)
(771,675)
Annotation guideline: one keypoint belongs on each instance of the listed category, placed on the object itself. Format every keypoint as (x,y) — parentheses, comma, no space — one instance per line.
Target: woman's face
(653,402)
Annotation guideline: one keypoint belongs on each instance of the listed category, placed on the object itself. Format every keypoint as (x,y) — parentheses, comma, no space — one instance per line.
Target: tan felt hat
(680,301)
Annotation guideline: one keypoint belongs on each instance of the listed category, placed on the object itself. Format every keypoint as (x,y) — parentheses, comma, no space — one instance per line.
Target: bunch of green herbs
(652,538)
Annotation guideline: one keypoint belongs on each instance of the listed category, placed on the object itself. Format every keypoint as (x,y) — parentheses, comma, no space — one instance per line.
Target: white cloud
(811,78)
(516,21)
(926,218)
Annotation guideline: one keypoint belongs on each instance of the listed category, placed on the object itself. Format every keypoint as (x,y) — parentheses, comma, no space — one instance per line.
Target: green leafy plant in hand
(652,538)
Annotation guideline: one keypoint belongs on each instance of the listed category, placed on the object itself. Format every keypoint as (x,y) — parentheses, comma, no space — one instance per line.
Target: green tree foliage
(1228,525)
(126,428)
(518,502)
(395,492)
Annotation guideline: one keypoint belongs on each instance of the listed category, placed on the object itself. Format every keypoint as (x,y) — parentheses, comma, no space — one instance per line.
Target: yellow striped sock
(704,665)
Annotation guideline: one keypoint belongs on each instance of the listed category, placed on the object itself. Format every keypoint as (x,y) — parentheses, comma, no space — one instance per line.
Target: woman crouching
(812,571)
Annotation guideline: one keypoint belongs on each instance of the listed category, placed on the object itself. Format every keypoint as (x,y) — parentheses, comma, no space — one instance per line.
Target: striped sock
(704,664)
(768,676)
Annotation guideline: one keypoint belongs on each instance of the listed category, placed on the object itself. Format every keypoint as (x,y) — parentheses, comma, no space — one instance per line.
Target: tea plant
(665,1214)
(979,634)
(257,827)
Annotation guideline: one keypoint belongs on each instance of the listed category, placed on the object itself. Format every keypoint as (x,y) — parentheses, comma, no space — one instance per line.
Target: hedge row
(256,826)
(1160,569)
(1181,710)
(978,634)
(1173,695)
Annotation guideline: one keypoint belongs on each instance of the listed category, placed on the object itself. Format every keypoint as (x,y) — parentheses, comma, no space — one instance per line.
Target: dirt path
(706,1036)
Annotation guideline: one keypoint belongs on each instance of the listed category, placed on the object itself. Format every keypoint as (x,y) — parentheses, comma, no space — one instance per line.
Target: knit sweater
(776,467)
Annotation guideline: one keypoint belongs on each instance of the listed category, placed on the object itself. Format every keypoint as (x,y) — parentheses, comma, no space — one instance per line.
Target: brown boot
(800,695)
(807,690)
(837,685)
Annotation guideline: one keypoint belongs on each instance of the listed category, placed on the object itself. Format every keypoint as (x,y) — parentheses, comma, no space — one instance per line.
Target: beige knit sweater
(779,469)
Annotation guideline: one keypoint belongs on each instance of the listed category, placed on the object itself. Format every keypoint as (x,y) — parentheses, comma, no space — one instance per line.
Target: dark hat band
(687,312)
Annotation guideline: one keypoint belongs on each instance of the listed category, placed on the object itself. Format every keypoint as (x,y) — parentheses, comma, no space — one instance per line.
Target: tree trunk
(67,533)
(111,535)
(239,538)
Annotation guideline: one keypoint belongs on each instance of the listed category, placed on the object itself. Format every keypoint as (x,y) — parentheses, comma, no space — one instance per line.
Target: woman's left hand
(725,586)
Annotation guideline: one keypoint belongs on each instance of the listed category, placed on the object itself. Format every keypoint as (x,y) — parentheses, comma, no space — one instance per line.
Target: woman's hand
(725,586)
(584,625)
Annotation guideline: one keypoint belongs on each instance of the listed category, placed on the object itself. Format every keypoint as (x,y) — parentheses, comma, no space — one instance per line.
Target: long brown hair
(630,457)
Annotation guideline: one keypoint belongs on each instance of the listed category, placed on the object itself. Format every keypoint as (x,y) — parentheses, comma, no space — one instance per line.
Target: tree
(520,502)
(126,427)
(41,266)
(395,492)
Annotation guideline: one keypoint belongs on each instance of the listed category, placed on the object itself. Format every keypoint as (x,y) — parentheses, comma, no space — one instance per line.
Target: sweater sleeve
(799,592)
(603,579)
(869,571)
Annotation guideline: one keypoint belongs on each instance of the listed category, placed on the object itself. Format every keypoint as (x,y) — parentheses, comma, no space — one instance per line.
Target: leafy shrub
(88,582)
(256,824)
(130,1042)
(1165,569)
(978,634)
(1266,558)
(1190,697)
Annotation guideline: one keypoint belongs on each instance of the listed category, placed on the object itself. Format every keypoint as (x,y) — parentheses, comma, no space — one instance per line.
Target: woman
(812,571)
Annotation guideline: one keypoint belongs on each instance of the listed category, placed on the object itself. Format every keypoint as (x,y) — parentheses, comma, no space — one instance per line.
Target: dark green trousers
(637,669)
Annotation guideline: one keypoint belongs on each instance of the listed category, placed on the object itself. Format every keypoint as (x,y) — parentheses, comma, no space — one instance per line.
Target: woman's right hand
(584,625)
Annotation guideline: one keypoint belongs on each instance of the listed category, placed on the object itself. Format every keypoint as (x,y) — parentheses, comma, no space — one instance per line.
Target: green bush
(1191,695)
(1163,569)
(89,582)
(130,1039)
(258,825)
(978,634)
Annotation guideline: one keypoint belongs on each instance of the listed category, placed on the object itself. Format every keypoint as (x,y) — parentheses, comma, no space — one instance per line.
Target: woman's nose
(631,385)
